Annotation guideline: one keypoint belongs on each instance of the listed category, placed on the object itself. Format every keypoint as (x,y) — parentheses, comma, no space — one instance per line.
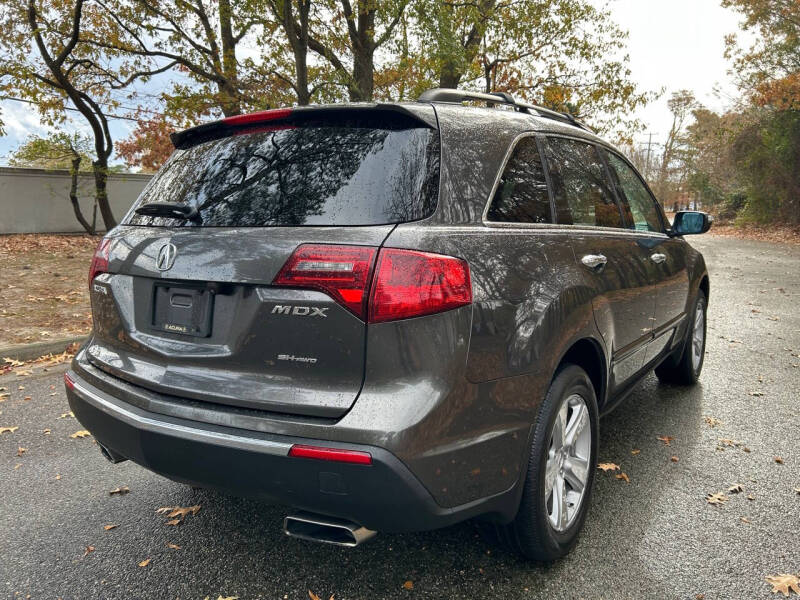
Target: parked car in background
(389,317)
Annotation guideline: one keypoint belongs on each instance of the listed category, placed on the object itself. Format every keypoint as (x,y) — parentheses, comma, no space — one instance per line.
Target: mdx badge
(300,311)
(166,256)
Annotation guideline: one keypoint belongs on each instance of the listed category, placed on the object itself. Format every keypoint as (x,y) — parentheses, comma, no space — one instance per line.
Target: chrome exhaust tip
(110,455)
(328,530)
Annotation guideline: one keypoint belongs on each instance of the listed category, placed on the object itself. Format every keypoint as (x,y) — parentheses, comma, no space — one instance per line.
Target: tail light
(342,272)
(68,381)
(99,260)
(405,283)
(274,114)
(412,284)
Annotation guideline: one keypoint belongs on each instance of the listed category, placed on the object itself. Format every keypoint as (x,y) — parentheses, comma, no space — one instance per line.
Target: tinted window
(344,174)
(581,189)
(637,203)
(521,195)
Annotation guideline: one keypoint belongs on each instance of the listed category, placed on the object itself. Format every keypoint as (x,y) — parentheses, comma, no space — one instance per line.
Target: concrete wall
(37,201)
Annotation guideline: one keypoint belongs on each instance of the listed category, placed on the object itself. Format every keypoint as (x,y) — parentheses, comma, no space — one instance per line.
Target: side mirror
(690,222)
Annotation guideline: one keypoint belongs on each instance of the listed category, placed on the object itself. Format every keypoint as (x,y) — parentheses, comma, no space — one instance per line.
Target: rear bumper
(384,496)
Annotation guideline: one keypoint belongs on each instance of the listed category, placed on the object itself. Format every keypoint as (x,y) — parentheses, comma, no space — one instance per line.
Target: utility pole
(647,161)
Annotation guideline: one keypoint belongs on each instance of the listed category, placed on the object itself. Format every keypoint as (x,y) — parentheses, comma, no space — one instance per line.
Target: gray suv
(389,317)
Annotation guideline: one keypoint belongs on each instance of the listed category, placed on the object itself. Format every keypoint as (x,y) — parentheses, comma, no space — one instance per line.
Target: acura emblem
(166,257)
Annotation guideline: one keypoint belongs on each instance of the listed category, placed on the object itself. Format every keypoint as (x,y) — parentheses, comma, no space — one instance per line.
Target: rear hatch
(204,297)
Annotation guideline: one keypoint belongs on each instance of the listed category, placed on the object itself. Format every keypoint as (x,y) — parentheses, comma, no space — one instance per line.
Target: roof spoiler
(454,96)
(290,116)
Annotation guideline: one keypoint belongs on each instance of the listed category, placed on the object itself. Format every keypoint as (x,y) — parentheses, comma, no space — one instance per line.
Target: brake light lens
(405,284)
(411,284)
(342,272)
(68,381)
(332,454)
(99,259)
(258,117)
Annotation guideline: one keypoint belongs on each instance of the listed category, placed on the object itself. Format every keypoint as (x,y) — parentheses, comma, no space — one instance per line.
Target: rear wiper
(170,209)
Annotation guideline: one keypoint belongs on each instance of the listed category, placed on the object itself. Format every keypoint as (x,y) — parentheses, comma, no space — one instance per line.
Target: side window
(521,195)
(582,192)
(638,205)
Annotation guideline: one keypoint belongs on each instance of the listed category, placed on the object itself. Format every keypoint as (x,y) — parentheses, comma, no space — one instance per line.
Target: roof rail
(458,96)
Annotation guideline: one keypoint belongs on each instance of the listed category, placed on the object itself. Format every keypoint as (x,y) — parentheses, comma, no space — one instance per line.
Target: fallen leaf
(26,399)
(122,490)
(744,520)
(46,432)
(66,415)
(178,511)
(757,393)
(88,550)
(735,489)
(8,429)
(21,451)
(797,489)
(624,477)
(716,499)
(783,583)
(408,585)
(80,434)
(751,497)
(635,452)
(17,466)
(712,421)
(145,562)
(608,467)
(227,597)
(665,438)
(313,596)
(779,460)
(674,458)
(173,522)
(58,476)
(173,546)
(110,527)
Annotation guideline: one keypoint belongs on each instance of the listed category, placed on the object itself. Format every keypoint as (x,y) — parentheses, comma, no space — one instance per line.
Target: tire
(686,369)
(537,532)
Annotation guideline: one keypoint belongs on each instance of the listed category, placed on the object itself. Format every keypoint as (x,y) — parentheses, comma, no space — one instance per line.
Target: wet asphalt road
(655,537)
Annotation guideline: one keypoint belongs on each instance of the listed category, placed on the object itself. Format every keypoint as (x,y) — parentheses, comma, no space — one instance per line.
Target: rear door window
(521,195)
(638,205)
(581,189)
(344,173)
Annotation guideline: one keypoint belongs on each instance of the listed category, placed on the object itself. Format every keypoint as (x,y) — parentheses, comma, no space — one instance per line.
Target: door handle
(658,258)
(594,261)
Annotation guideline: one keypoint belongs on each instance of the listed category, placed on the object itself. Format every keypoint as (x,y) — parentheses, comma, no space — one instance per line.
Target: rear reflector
(332,454)
(412,284)
(68,381)
(258,117)
(99,260)
(342,272)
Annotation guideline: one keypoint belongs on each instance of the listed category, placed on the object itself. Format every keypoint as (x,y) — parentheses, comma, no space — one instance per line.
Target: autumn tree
(672,168)
(59,151)
(770,68)
(149,144)
(352,35)
(45,61)
(565,54)
(199,39)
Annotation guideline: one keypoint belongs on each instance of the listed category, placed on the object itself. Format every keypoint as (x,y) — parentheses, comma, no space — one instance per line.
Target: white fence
(37,201)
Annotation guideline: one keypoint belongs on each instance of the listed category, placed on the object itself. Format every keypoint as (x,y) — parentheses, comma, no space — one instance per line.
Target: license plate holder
(182,309)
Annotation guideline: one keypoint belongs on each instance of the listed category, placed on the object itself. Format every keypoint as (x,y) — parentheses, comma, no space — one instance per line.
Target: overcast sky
(674,44)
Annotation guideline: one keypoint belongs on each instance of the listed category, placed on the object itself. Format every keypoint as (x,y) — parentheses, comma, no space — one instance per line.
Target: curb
(32,351)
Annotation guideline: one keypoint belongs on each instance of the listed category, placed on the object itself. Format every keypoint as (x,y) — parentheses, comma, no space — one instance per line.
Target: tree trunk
(73,196)
(231,102)
(100,168)
(363,71)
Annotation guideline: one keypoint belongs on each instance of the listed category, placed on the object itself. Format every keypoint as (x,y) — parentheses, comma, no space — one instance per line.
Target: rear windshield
(345,173)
